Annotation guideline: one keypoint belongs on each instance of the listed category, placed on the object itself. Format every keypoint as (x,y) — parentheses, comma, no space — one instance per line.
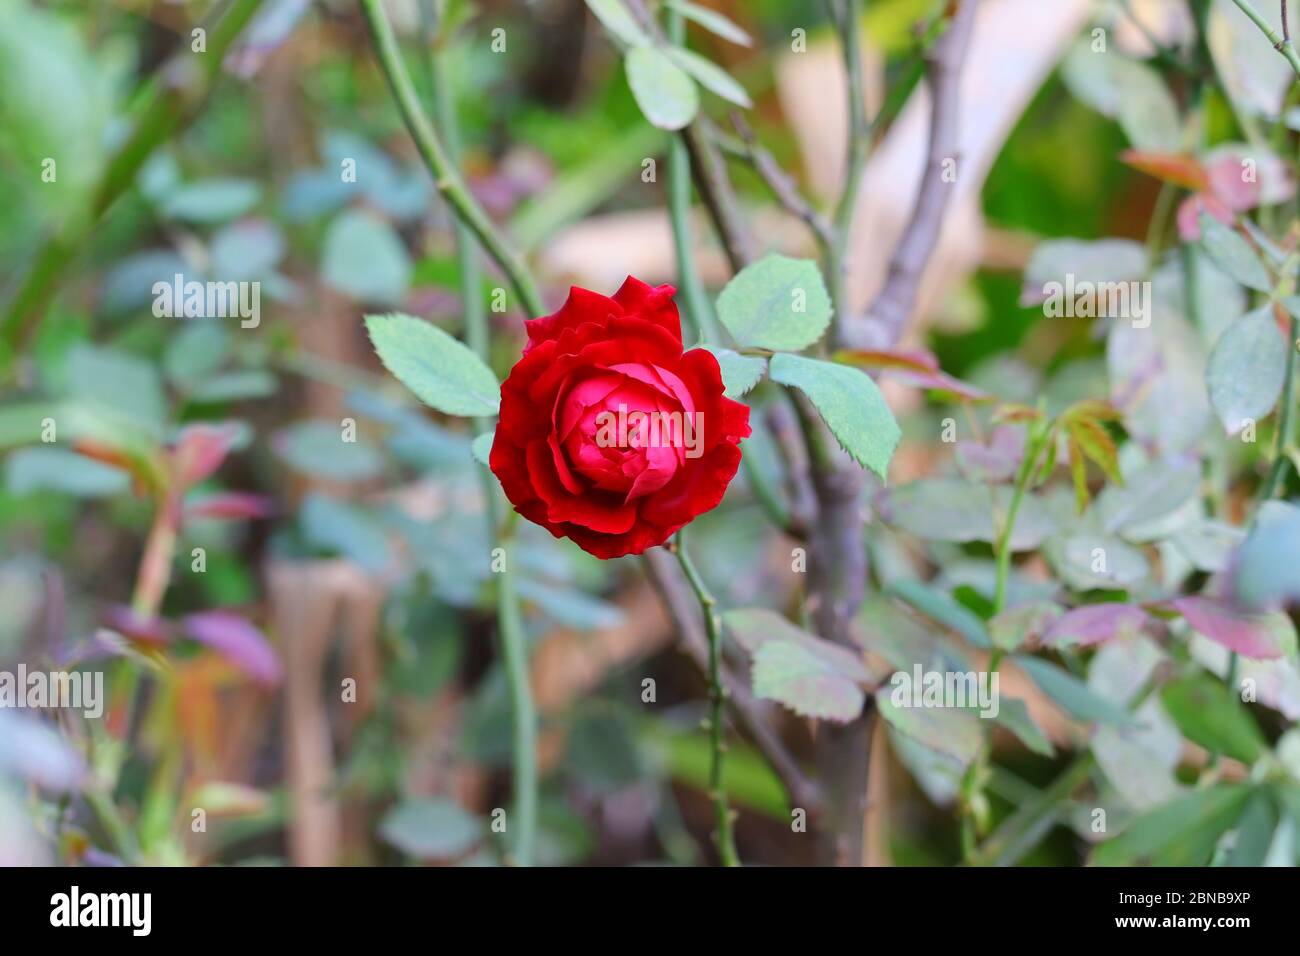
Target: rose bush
(595,360)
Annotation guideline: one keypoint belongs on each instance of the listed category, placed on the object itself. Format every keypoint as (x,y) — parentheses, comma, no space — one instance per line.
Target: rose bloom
(558,452)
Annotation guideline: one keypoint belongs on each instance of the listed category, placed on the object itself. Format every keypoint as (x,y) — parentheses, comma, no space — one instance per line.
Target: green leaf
(1071,693)
(949,730)
(118,385)
(1013,714)
(796,677)
(1210,714)
(776,303)
(337,527)
(711,20)
(951,509)
(666,94)
(1254,831)
(364,258)
(442,372)
(1181,833)
(711,76)
(740,373)
(811,676)
(942,609)
(615,18)
(316,447)
(1245,371)
(437,828)
(211,200)
(481,447)
(57,469)
(1268,563)
(234,386)
(1233,254)
(849,402)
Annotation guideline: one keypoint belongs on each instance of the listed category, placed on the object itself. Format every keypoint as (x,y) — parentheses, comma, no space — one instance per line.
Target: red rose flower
(609,433)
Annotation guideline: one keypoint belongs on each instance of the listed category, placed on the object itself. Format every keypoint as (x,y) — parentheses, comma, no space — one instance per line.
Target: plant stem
(698,306)
(1280,43)
(859,141)
(514,647)
(172,95)
(723,836)
(446,176)
(1277,472)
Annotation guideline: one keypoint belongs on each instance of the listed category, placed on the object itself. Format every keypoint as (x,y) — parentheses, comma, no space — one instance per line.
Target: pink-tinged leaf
(1229,185)
(230,505)
(1175,168)
(147,630)
(915,360)
(1094,624)
(199,451)
(239,641)
(1189,212)
(995,462)
(1261,636)
(915,368)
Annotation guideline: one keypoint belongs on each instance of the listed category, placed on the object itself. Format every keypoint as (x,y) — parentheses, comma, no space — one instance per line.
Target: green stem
(1277,472)
(723,837)
(973,780)
(698,306)
(1033,449)
(514,647)
(160,111)
(446,176)
(1280,43)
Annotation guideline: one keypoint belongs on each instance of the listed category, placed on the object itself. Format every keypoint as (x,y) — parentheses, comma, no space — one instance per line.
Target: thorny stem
(723,837)
(509,620)
(446,176)
(1281,43)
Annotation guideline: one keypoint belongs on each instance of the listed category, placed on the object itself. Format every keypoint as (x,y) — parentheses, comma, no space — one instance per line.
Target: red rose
(610,434)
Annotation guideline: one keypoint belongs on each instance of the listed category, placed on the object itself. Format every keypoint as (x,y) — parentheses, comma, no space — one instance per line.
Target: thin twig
(782,184)
(446,176)
(837,259)
(889,313)
(1281,43)
(800,789)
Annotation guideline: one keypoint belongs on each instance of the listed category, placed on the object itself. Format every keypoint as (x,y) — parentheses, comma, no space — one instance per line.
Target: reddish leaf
(1261,636)
(1176,168)
(128,623)
(1228,184)
(239,641)
(231,505)
(1189,212)
(915,360)
(199,451)
(1093,624)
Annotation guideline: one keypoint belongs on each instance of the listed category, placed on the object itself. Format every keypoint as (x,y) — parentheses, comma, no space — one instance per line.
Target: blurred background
(320,674)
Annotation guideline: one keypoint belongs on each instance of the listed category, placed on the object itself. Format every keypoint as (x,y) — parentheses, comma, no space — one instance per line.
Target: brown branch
(888,315)
(802,791)
(714,186)
(782,184)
